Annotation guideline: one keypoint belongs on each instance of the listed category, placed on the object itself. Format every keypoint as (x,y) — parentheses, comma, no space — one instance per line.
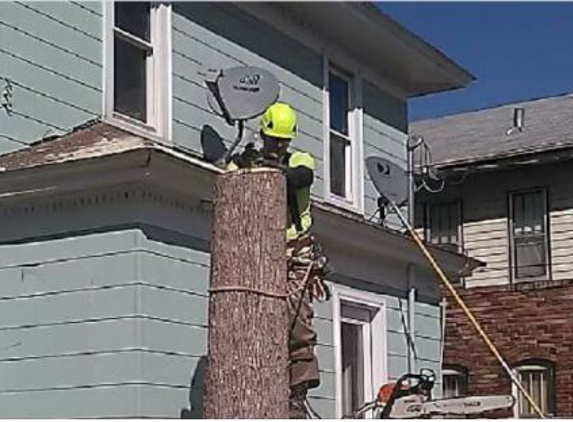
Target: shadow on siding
(196,391)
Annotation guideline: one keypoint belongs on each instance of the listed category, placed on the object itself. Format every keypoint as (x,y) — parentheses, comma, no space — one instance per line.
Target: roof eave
(455,76)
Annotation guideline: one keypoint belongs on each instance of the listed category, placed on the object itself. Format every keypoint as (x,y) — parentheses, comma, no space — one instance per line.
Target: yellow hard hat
(279,121)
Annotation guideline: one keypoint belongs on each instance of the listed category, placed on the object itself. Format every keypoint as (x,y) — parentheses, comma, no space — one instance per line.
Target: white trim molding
(377,374)
(158,125)
(354,174)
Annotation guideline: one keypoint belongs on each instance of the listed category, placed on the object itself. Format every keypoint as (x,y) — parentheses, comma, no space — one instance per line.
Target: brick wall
(524,321)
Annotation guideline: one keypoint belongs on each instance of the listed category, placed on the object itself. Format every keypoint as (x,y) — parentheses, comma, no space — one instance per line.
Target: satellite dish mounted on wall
(389,179)
(240,93)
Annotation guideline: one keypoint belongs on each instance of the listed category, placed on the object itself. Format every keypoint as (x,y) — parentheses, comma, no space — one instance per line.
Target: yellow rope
(468,313)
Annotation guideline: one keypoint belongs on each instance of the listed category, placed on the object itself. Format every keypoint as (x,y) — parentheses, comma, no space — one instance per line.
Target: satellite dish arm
(229,153)
(214,88)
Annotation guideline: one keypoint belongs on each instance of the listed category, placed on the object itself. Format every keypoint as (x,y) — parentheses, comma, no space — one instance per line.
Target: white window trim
(356,166)
(378,338)
(456,373)
(548,265)
(159,74)
(515,391)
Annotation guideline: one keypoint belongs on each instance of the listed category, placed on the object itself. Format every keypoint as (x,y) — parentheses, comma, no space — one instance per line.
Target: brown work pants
(303,362)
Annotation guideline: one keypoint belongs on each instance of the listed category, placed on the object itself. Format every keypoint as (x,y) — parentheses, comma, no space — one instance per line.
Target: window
(538,379)
(443,222)
(343,147)
(360,346)
(528,232)
(355,336)
(455,381)
(138,64)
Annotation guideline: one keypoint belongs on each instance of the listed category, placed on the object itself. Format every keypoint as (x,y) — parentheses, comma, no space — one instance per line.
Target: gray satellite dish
(390,180)
(242,93)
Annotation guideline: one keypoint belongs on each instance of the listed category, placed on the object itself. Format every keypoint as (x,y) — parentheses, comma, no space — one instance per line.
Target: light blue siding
(208,35)
(52,55)
(114,324)
(385,130)
(114,401)
(67,326)
(174,300)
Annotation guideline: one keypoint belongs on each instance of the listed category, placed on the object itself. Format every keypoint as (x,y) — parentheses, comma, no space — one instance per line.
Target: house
(105,194)
(506,201)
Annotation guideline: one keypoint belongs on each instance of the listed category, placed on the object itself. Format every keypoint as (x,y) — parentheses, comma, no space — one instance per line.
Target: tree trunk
(247,372)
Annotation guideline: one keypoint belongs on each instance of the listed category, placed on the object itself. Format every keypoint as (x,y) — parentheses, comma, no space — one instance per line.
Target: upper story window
(138,64)
(443,224)
(538,379)
(528,234)
(133,60)
(455,381)
(343,143)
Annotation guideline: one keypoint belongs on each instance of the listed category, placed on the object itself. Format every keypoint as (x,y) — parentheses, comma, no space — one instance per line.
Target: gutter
(132,165)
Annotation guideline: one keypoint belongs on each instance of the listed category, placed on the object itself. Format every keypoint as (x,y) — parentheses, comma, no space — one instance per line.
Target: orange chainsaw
(410,398)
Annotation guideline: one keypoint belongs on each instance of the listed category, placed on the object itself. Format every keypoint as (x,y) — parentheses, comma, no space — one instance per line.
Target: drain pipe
(443,309)
(412,143)
(411,277)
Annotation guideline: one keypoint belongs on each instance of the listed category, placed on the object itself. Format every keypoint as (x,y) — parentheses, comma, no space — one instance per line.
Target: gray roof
(481,135)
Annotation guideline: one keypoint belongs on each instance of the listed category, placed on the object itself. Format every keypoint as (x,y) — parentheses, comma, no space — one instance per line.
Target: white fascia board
(192,177)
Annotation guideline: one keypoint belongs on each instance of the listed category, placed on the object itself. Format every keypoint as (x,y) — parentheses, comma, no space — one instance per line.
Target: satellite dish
(389,179)
(243,92)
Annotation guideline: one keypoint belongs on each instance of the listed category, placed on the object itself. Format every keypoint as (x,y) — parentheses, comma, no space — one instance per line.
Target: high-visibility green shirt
(298,159)
(302,195)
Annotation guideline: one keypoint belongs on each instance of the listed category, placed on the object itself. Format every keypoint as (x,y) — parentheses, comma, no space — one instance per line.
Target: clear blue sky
(517,51)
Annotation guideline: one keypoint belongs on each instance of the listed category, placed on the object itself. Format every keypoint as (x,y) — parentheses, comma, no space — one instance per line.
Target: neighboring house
(507,202)
(105,196)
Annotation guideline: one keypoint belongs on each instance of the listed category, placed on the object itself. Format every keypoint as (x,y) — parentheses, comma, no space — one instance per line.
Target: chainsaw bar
(414,406)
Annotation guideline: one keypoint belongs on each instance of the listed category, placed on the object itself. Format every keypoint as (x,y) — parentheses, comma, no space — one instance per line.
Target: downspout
(411,276)
(411,144)
(443,308)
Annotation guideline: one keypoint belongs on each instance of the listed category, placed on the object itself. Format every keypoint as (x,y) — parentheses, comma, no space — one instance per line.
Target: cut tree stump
(247,371)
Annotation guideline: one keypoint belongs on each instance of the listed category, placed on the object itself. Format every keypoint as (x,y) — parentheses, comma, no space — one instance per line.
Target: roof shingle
(480,135)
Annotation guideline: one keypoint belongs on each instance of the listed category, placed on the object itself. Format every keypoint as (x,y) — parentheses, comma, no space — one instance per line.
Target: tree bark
(247,372)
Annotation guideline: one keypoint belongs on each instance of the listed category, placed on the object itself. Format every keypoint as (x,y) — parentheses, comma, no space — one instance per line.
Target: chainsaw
(410,398)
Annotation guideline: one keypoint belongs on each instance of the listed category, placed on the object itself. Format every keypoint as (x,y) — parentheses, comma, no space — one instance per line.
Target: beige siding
(485,226)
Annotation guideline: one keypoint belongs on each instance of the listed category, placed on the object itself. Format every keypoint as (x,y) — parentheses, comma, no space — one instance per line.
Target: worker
(306,265)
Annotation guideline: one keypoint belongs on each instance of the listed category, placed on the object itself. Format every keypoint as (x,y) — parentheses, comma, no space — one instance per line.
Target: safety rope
(468,313)
(304,283)
(248,289)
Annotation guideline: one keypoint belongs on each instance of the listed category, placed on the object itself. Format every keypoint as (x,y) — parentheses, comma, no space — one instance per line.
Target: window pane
(443,224)
(338,91)
(451,387)
(529,238)
(133,17)
(338,159)
(528,213)
(130,97)
(530,257)
(538,384)
(454,383)
(352,367)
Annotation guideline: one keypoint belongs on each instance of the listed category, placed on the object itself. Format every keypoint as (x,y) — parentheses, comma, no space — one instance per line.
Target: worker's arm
(299,177)
(300,173)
